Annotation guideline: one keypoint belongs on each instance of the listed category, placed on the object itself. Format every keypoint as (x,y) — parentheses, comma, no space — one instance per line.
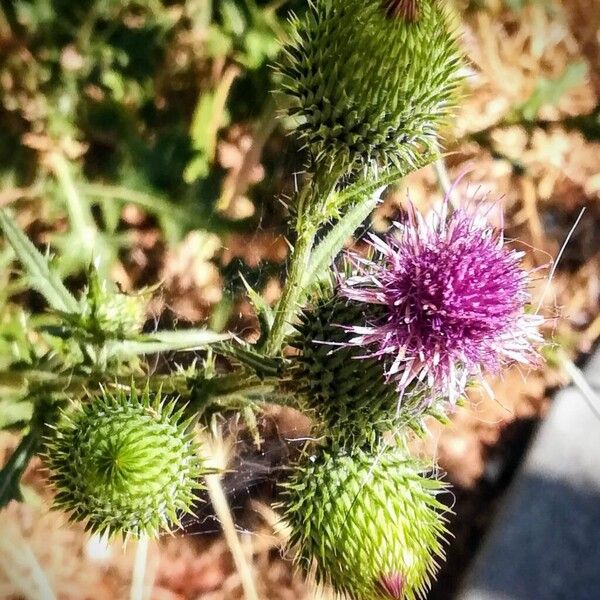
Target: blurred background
(145,133)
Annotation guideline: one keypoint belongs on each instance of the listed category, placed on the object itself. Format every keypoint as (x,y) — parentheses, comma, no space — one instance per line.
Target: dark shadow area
(548,546)
(253,473)
(475,508)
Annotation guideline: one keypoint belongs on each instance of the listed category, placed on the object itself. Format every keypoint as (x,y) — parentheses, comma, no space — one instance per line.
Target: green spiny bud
(351,398)
(107,313)
(124,464)
(121,315)
(369,523)
(370,81)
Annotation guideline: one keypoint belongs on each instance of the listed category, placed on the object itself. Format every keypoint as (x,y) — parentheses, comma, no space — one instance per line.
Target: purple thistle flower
(392,586)
(454,297)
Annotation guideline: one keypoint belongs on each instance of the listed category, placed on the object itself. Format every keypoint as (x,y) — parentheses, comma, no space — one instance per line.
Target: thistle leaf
(324,254)
(166,341)
(37,267)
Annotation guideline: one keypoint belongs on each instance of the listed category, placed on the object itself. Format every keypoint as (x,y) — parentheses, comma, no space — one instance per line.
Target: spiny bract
(370,522)
(370,91)
(124,464)
(348,394)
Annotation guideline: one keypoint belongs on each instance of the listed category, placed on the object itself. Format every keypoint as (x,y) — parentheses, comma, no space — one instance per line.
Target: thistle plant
(370,82)
(124,463)
(369,520)
(369,346)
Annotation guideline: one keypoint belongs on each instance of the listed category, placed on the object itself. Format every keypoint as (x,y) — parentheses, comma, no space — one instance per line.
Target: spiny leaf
(330,246)
(166,341)
(263,311)
(11,473)
(37,267)
(247,355)
(365,195)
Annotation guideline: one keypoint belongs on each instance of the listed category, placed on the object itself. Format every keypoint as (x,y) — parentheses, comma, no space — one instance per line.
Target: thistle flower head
(355,404)
(368,522)
(124,464)
(454,298)
(370,81)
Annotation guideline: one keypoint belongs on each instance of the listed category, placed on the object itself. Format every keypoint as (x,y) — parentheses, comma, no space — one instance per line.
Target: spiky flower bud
(124,464)
(370,81)
(107,313)
(349,397)
(369,523)
(349,394)
(121,315)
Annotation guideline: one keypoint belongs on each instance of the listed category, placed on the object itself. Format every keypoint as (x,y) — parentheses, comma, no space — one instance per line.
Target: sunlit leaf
(37,267)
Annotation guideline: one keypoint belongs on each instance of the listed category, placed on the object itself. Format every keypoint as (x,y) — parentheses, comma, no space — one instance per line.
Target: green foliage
(129,93)
(106,313)
(11,473)
(365,518)
(124,463)
(368,90)
(549,92)
(40,274)
(102,328)
(247,30)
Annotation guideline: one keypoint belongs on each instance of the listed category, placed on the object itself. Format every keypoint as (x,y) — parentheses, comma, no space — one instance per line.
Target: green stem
(226,387)
(292,292)
(311,207)
(68,383)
